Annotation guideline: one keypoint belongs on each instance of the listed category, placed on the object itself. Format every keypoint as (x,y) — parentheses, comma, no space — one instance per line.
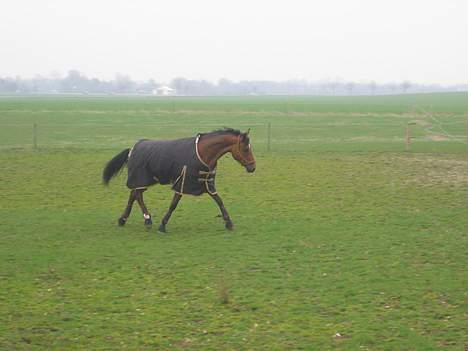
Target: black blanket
(169,162)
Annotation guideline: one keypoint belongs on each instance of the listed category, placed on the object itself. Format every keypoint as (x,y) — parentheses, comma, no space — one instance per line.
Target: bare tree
(350,87)
(405,86)
(373,87)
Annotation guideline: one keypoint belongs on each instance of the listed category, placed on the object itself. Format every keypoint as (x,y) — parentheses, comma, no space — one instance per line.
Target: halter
(243,160)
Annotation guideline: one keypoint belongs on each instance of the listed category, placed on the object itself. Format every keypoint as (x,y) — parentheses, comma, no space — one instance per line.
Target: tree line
(76,82)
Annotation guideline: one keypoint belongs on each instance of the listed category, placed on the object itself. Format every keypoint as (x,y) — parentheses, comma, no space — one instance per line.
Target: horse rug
(173,162)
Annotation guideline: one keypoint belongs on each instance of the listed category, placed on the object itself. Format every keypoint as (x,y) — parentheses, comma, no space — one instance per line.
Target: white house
(164,91)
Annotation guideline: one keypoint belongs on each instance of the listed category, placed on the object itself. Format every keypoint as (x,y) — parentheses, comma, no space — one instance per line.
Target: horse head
(242,152)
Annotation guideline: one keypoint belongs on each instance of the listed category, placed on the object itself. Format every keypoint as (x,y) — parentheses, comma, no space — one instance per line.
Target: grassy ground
(343,239)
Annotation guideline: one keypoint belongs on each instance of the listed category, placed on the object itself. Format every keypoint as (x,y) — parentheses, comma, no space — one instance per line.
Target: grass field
(343,239)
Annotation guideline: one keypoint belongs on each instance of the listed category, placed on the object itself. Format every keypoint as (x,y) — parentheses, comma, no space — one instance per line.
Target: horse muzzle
(250,167)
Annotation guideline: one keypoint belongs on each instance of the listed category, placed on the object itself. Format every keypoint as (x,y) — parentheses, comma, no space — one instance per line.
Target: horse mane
(225,130)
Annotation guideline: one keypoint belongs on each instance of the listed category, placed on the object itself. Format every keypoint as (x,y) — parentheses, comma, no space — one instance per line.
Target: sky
(367,40)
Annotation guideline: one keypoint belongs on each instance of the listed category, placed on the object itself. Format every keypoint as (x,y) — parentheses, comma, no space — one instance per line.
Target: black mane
(225,131)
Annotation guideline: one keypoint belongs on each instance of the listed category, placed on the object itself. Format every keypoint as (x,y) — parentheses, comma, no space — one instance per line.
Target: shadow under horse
(189,164)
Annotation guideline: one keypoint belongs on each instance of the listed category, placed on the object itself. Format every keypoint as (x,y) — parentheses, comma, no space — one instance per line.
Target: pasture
(343,238)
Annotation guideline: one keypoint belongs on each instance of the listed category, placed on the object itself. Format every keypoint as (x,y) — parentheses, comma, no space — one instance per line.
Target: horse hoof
(162,228)
(229,226)
(122,221)
(148,223)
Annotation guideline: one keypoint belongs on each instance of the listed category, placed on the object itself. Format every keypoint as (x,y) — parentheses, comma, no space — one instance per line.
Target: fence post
(35,136)
(408,135)
(269,137)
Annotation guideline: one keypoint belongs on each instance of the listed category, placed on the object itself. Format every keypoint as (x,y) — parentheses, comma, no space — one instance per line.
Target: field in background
(343,239)
(298,123)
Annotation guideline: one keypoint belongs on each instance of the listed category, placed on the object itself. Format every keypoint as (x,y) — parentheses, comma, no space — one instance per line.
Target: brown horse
(188,164)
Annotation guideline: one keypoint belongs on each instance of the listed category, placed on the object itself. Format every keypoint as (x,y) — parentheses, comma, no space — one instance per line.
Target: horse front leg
(146,214)
(123,218)
(175,201)
(224,212)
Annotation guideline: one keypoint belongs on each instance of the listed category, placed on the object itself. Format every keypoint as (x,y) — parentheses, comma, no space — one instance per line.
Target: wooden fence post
(408,138)
(408,135)
(269,137)
(35,136)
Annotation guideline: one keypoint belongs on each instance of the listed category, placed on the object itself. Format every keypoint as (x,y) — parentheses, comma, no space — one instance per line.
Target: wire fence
(266,137)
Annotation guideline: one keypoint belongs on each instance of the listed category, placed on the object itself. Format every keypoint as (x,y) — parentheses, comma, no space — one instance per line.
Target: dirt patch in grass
(436,137)
(429,170)
(422,123)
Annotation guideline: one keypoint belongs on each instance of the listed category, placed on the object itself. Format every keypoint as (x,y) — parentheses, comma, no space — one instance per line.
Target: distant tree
(405,85)
(147,87)
(226,87)
(193,87)
(392,87)
(350,87)
(76,82)
(73,82)
(180,84)
(95,86)
(332,86)
(8,85)
(372,87)
(124,84)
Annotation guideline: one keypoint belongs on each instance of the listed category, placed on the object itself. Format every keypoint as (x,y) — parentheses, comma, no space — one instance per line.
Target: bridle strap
(244,161)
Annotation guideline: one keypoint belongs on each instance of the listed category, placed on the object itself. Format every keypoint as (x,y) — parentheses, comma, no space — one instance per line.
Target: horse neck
(212,148)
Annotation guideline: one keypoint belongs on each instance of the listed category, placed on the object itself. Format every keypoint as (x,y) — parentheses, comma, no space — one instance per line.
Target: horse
(189,164)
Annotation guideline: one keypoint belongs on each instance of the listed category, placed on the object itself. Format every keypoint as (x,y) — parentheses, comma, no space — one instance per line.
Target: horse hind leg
(126,213)
(146,214)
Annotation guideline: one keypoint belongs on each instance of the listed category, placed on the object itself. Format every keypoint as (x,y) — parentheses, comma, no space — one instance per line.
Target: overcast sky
(424,41)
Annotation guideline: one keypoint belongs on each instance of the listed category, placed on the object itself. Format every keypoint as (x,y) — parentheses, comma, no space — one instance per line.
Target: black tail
(114,166)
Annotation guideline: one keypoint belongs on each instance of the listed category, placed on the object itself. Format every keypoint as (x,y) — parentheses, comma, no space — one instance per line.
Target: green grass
(340,230)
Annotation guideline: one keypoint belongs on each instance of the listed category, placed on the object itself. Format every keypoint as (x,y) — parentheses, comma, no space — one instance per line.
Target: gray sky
(424,41)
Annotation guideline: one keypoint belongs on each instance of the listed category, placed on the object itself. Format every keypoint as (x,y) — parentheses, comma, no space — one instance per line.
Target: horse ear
(246,134)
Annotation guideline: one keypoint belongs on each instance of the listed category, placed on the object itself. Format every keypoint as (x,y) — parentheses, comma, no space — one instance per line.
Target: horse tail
(114,166)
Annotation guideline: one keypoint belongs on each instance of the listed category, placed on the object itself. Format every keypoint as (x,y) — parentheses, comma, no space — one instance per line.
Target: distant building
(164,91)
